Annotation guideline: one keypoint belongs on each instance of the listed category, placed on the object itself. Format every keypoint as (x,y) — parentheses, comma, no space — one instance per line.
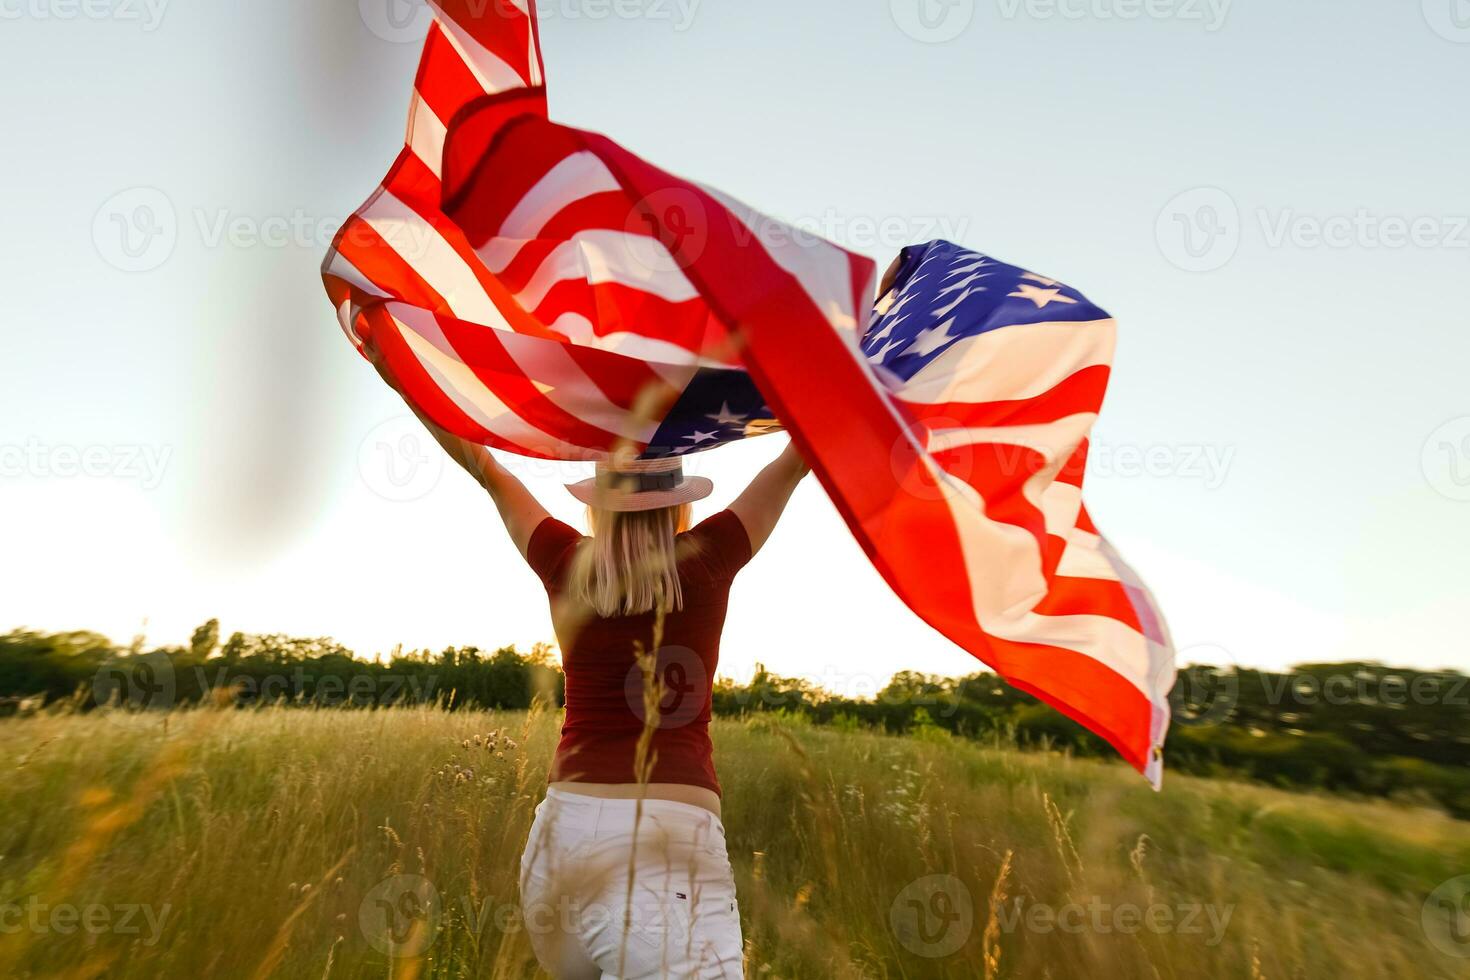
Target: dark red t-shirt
(604,686)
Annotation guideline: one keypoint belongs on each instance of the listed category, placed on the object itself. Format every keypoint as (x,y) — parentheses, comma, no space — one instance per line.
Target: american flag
(542,290)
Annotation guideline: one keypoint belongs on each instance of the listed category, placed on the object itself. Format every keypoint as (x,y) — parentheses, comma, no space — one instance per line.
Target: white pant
(682,922)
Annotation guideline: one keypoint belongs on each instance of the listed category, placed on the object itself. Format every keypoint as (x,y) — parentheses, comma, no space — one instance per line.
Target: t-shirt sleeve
(550,545)
(724,544)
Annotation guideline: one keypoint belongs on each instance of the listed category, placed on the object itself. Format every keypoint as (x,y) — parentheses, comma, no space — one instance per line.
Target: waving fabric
(542,290)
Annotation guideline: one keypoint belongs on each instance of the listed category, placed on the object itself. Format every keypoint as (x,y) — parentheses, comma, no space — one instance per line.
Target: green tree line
(1356,728)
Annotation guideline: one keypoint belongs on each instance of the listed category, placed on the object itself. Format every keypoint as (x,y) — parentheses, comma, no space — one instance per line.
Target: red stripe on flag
(1090,597)
(1080,393)
(444,81)
(499,27)
(612,307)
(482,351)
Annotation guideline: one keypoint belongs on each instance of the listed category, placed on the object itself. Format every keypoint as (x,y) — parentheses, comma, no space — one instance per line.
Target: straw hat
(630,485)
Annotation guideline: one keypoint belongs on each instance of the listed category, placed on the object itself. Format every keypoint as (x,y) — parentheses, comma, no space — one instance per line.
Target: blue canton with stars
(944,293)
(718,407)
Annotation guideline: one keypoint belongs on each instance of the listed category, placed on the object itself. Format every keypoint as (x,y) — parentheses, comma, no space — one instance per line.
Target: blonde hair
(631,566)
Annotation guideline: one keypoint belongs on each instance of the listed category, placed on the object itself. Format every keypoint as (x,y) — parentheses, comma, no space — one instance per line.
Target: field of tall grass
(343,844)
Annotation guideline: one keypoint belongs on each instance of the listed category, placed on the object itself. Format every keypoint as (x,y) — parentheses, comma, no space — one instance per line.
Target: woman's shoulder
(719,542)
(550,545)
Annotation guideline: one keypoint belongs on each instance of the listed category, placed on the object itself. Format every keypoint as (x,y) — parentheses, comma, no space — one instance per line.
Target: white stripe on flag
(1084,558)
(558,376)
(421,332)
(493,74)
(426,135)
(1056,441)
(579,176)
(1010,364)
(340,267)
(602,256)
(1003,564)
(429,254)
(1061,503)
(673,363)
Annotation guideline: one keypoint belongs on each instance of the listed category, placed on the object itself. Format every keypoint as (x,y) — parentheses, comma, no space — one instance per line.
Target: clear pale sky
(1270,197)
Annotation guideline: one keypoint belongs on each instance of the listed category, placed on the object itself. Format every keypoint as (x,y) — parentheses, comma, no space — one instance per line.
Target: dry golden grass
(266,843)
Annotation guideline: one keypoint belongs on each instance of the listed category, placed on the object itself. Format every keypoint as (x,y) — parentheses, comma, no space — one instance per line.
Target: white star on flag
(727,417)
(1041,297)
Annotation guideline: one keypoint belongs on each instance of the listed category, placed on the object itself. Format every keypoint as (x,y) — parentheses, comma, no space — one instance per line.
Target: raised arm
(519,509)
(760,506)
